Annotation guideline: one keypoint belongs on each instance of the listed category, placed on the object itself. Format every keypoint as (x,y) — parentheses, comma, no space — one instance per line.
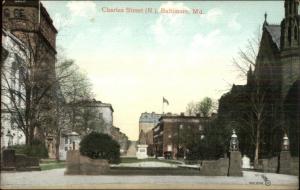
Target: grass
(49,165)
(135,160)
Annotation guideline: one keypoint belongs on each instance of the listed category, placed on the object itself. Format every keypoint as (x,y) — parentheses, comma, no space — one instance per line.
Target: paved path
(56,179)
(131,152)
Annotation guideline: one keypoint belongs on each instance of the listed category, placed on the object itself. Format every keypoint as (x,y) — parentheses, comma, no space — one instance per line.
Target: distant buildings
(101,115)
(147,122)
(121,138)
(172,132)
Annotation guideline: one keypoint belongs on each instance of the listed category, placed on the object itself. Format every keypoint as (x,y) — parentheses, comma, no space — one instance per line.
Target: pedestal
(142,151)
(285,162)
(235,162)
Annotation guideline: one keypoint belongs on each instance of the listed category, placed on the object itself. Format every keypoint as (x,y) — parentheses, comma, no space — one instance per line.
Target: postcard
(150,94)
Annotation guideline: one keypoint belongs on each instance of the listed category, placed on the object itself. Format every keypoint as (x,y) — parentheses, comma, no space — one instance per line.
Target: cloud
(82,8)
(61,21)
(233,24)
(213,15)
(168,26)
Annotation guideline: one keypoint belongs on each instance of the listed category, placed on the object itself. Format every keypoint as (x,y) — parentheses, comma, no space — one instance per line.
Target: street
(55,178)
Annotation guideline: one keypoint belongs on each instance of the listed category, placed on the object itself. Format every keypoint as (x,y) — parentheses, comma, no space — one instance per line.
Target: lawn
(49,165)
(53,164)
(135,160)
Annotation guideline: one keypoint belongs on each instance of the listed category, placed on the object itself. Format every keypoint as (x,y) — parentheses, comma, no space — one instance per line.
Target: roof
(275,33)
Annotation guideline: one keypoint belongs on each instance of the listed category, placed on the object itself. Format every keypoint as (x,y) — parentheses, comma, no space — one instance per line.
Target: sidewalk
(55,178)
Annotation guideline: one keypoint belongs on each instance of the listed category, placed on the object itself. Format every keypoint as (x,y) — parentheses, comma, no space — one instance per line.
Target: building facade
(147,121)
(12,69)
(278,71)
(172,133)
(121,138)
(30,22)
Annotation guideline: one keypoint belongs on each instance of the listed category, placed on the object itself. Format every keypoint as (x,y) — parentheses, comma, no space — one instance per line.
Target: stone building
(12,70)
(173,131)
(147,121)
(92,114)
(277,70)
(30,22)
(121,138)
(273,84)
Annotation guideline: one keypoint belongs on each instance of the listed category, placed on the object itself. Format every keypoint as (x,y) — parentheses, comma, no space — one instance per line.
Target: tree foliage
(203,107)
(100,146)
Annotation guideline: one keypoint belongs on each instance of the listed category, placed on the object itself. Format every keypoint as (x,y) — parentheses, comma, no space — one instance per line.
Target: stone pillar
(73,162)
(8,159)
(285,162)
(235,164)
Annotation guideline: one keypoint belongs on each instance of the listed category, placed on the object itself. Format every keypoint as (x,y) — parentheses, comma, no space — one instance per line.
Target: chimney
(182,114)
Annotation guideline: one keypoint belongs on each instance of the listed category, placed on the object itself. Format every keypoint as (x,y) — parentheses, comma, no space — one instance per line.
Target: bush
(100,146)
(38,149)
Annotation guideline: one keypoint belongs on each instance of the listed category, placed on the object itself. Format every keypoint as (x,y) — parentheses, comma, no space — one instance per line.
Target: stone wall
(268,165)
(81,165)
(284,165)
(214,167)
(19,162)
(295,166)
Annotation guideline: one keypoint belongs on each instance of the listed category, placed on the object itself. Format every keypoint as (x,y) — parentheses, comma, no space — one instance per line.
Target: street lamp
(285,143)
(234,143)
(10,139)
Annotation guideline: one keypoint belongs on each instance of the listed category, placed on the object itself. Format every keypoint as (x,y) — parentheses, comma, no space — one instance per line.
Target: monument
(235,162)
(142,146)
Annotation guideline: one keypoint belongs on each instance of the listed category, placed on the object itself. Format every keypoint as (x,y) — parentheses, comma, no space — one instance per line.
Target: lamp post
(10,139)
(234,143)
(285,143)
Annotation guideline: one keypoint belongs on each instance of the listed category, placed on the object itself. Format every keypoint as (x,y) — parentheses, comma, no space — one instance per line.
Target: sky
(134,59)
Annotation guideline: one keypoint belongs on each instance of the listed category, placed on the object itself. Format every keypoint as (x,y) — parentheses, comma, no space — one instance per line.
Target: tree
(72,87)
(28,103)
(191,108)
(205,106)
(100,146)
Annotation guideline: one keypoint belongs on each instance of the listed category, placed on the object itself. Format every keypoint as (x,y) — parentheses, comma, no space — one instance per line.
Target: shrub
(37,149)
(100,146)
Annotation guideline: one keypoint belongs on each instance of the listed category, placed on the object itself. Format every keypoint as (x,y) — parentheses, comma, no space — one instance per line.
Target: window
(66,148)
(19,13)
(66,140)
(169,148)
(6,13)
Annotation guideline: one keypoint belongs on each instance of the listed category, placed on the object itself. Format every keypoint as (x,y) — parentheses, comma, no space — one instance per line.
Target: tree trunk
(57,148)
(257,145)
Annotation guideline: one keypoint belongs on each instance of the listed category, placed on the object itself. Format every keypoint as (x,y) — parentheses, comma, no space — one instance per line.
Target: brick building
(173,132)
